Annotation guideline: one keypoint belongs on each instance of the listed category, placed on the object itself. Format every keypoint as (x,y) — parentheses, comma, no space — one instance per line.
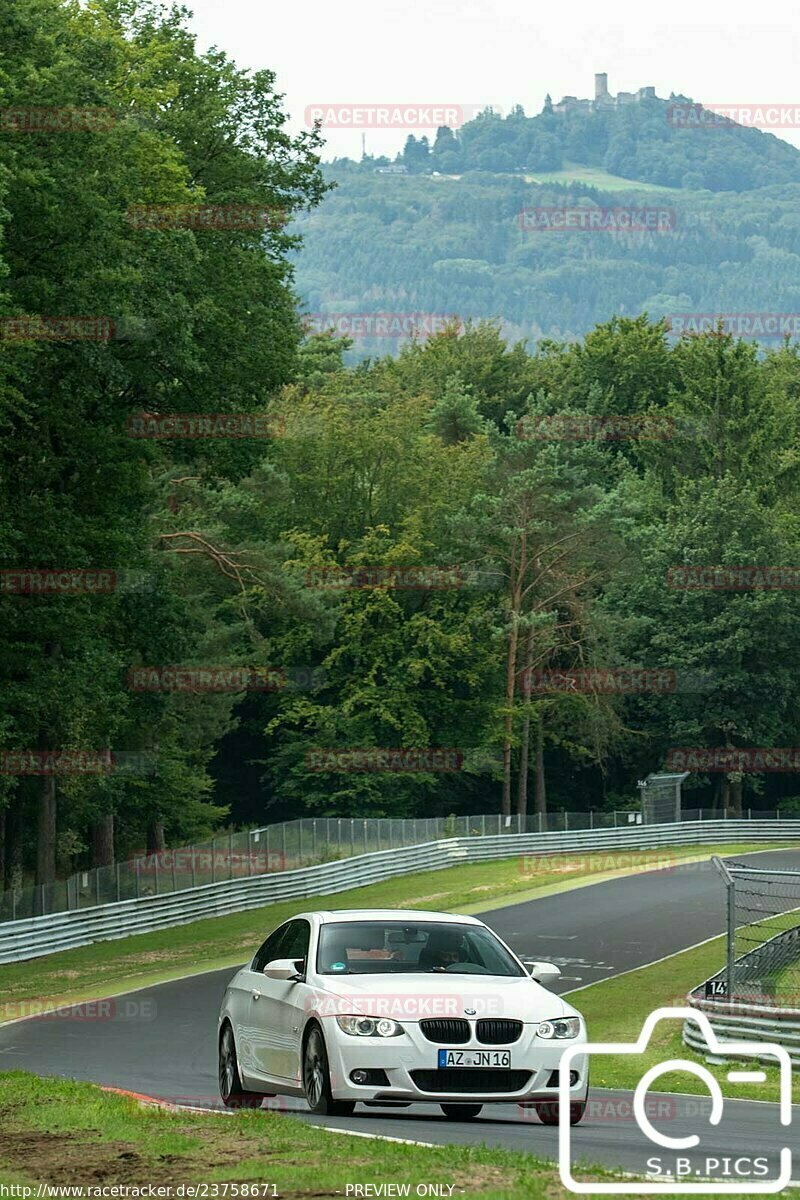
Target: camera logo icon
(735,1173)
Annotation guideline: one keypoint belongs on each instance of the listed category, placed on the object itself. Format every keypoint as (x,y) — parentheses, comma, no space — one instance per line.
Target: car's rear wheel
(548,1113)
(317,1079)
(461,1112)
(230,1084)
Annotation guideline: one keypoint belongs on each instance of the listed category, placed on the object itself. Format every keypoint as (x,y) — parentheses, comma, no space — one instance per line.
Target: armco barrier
(746,1019)
(739,1021)
(35,936)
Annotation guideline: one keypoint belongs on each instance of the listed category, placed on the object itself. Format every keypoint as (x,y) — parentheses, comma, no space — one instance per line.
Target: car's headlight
(369,1027)
(560,1027)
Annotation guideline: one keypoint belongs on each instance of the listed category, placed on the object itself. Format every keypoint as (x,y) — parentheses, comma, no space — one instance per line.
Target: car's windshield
(395,947)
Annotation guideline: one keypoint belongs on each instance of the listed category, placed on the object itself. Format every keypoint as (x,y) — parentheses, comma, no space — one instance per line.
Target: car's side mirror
(283,968)
(543,972)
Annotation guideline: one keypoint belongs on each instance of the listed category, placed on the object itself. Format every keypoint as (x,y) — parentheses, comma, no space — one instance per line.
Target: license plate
(474,1058)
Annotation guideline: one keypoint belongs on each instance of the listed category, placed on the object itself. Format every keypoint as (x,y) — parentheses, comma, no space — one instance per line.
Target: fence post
(566,819)
(96,884)
(314,838)
(213,860)
(541,821)
(283,842)
(591,823)
(230,854)
(155,860)
(174,875)
(730,884)
(118,893)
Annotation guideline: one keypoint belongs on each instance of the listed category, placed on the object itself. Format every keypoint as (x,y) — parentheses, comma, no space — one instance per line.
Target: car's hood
(413,997)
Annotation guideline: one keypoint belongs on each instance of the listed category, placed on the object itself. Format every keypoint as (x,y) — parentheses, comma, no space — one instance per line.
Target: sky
(456,54)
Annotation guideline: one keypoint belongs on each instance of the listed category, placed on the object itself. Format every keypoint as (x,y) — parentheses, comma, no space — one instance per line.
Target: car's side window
(297,940)
(269,950)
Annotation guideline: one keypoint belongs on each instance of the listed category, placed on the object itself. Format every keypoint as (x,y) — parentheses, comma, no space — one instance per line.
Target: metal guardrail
(36,936)
(303,842)
(736,1021)
(747,1018)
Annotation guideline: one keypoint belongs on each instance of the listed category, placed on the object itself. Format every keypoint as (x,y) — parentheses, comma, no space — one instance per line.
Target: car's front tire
(548,1113)
(230,1083)
(317,1079)
(461,1112)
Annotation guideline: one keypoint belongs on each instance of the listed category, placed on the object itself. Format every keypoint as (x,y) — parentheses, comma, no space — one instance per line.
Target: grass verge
(109,968)
(73,1134)
(616,1009)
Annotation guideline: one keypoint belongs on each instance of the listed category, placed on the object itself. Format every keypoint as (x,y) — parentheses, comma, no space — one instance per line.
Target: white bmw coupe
(391,1008)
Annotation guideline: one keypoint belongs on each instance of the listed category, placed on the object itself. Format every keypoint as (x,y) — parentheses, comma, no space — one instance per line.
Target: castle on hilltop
(602,98)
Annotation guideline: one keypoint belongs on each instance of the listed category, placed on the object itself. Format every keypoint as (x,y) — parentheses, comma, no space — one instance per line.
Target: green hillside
(381,243)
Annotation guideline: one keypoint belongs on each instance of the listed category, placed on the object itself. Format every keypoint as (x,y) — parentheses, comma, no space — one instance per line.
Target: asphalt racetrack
(162,1041)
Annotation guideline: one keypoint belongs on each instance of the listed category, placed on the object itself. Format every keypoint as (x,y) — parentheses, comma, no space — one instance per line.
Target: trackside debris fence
(287,846)
(34,936)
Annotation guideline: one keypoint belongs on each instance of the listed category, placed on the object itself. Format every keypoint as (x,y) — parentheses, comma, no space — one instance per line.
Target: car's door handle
(256,995)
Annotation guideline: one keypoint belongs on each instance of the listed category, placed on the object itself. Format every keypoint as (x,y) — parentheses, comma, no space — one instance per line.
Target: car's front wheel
(461,1112)
(548,1113)
(230,1084)
(317,1079)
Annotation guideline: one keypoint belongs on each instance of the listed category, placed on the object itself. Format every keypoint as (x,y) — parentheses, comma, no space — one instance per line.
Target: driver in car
(442,952)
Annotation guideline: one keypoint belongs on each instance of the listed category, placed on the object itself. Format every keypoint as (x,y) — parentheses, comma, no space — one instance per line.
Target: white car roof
(411,915)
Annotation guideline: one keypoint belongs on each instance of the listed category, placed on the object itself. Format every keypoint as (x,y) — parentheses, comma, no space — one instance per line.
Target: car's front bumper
(409,1063)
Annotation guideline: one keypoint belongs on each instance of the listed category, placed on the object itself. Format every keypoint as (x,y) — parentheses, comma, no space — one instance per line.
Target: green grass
(74,1134)
(595,177)
(616,1009)
(109,968)
(71,1135)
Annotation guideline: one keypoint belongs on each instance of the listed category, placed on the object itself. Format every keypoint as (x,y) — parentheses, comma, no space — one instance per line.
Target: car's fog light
(359,1076)
(573,1078)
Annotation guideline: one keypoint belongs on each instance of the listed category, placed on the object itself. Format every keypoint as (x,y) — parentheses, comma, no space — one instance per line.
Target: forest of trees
(420,244)
(672,143)
(556,547)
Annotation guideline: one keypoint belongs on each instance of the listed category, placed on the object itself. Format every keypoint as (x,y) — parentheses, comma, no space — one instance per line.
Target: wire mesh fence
(288,846)
(763,937)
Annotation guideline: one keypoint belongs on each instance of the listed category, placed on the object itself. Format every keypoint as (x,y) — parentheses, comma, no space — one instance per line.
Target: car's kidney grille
(477,1080)
(446,1031)
(499,1033)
